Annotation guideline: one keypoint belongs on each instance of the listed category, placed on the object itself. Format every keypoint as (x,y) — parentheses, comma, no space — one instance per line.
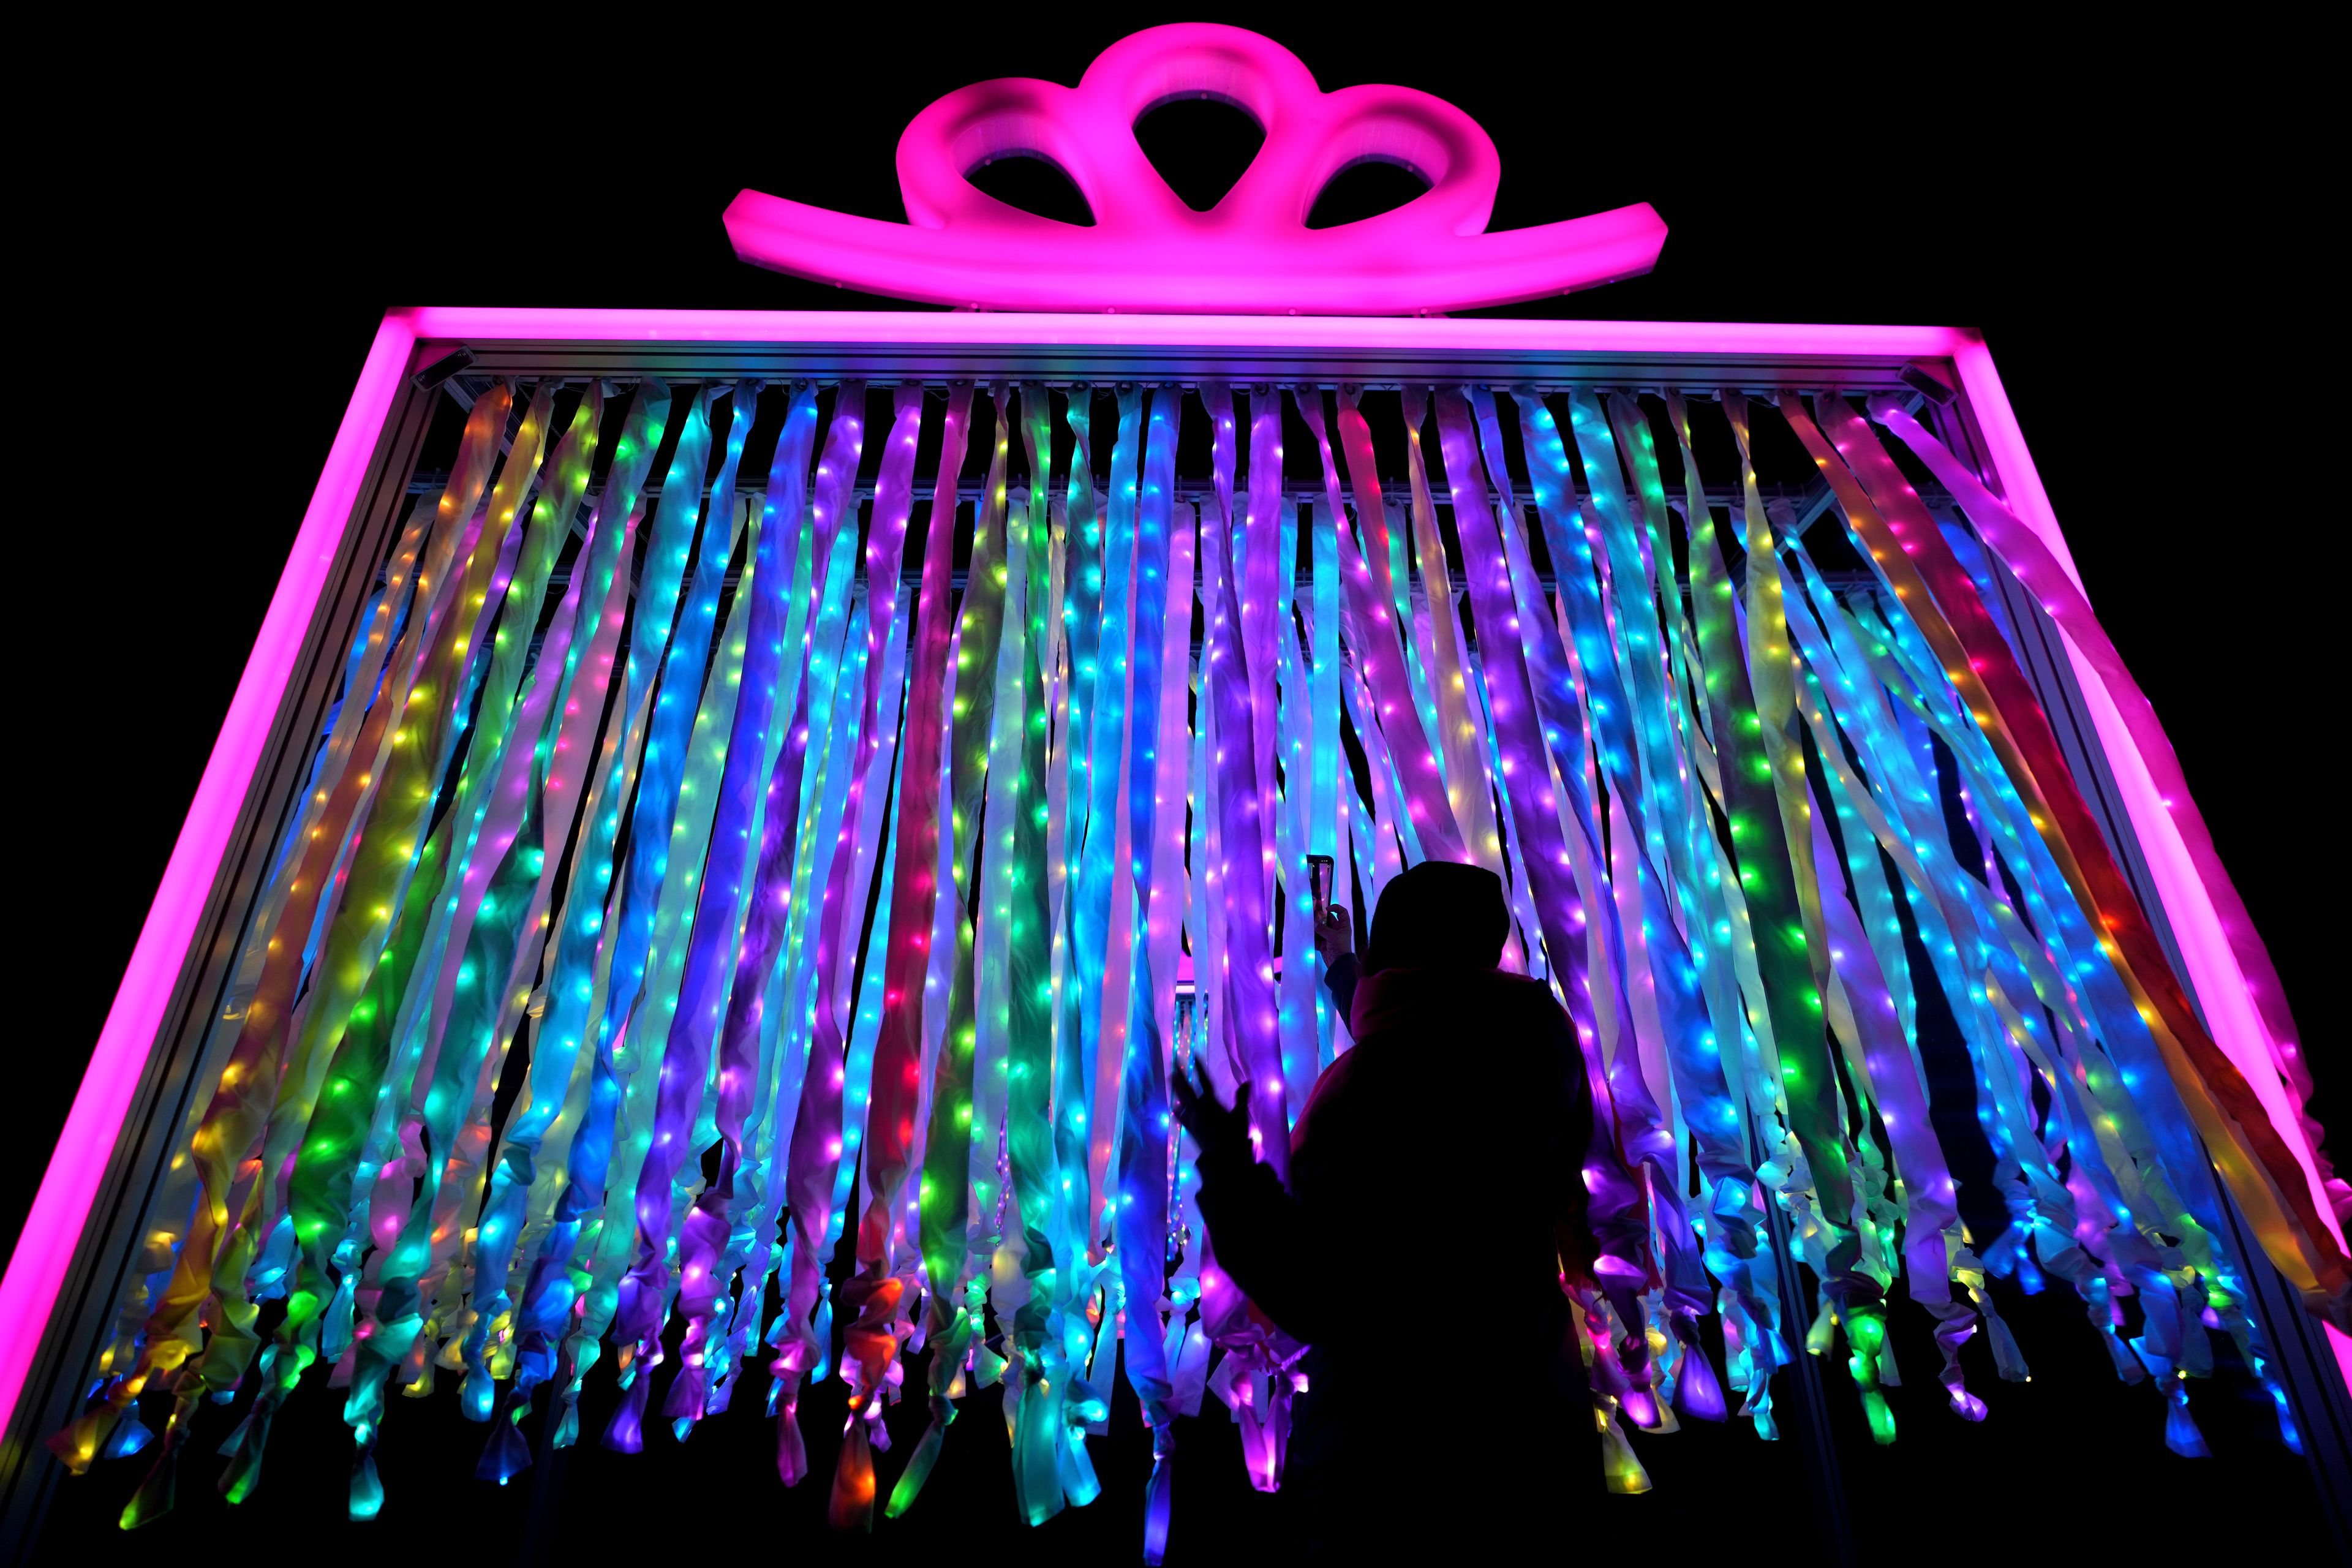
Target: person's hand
(1213,1126)
(1335,934)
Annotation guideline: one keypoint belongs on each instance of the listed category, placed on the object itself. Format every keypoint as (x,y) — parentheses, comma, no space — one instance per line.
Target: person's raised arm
(1265,1239)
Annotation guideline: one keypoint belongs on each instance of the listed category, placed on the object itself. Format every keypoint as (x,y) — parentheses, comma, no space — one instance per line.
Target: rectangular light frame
(1060,347)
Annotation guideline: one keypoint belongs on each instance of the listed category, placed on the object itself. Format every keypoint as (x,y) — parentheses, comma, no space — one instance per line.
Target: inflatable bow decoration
(1146,250)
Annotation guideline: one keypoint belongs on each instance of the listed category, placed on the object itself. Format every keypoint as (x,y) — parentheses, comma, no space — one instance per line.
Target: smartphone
(1320,870)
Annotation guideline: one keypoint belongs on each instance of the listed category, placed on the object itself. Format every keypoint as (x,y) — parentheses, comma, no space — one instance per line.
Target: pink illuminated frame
(78,1165)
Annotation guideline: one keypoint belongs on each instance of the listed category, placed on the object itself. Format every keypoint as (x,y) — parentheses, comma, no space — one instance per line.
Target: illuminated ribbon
(681,739)
(2023,551)
(1634,741)
(1375,630)
(1461,737)
(1156,762)
(1618,1212)
(1102,914)
(421,593)
(898,1050)
(1040,1433)
(815,1146)
(869,1362)
(1250,1030)
(1249,1042)
(949,1324)
(219,1243)
(580,701)
(570,987)
(502,870)
(1294,984)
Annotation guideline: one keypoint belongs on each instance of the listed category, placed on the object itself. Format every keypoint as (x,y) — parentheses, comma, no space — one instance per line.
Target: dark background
(222,221)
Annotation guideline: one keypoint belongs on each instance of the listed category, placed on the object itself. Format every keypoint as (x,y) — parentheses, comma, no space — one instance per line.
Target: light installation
(731,930)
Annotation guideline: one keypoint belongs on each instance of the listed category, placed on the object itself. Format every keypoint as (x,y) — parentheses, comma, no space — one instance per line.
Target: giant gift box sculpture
(884,825)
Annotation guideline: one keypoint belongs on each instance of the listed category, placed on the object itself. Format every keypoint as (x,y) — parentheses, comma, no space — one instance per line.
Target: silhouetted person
(1435,1196)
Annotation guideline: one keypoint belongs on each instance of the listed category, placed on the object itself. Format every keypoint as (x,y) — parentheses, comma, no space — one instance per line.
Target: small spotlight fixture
(442,369)
(1927,384)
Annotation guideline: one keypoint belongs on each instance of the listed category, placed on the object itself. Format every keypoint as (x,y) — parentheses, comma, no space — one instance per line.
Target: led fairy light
(1367,603)
(1620,1209)
(1240,937)
(415,592)
(832,735)
(2052,1204)
(1251,1041)
(669,548)
(870,1340)
(1155,762)
(937,976)
(504,869)
(568,986)
(2260,1169)
(1100,898)
(2132,1186)
(1094,632)
(1866,946)
(411,588)
(1957,931)
(1393,839)
(1034,1233)
(1760,898)
(564,758)
(1553,676)
(1204,854)
(840,1053)
(492,758)
(815,1146)
(1750,1303)
(1260,570)
(1323,688)
(1630,612)
(640,1023)
(648,892)
(1295,982)
(1067,1119)
(1375,594)
(1641,1133)
(856,994)
(897,1059)
(1527,926)
(1461,741)
(945,1181)
(1003,803)
(2166,1163)
(705,1258)
(1958,926)
(581,694)
(1658,958)
(696,1024)
(2044,575)
(1784,902)
(581,675)
(384,1027)
(1412,625)
(238,1113)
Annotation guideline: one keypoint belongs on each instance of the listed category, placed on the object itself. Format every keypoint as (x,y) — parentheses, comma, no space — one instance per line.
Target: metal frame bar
(172,990)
